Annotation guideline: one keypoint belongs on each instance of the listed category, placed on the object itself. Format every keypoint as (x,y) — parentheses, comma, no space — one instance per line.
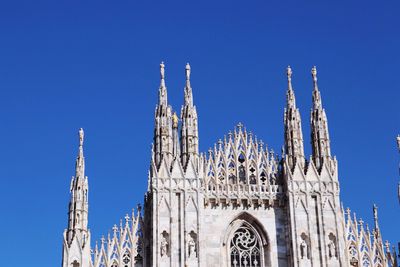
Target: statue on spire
(81,136)
(162,70)
(314,73)
(187,71)
(289,73)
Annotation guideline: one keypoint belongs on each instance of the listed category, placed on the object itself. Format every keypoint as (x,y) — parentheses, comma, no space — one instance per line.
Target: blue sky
(95,64)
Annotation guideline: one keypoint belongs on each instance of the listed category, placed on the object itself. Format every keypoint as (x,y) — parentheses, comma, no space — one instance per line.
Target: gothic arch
(248,223)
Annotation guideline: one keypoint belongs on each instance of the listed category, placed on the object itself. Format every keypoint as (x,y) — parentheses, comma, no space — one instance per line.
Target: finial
(240,125)
(230,135)
(81,136)
(126,218)
(219,142)
(102,240)
(314,73)
(175,121)
(115,229)
(187,71)
(162,70)
(289,73)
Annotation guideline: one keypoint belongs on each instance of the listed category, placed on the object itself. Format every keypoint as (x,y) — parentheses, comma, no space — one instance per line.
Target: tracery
(245,248)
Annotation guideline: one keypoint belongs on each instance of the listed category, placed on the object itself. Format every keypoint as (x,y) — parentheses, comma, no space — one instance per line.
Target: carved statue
(304,249)
(164,246)
(191,247)
(175,120)
(162,70)
(81,136)
(187,71)
(332,249)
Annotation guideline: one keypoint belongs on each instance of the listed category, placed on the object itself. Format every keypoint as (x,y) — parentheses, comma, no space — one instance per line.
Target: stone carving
(332,252)
(191,244)
(304,247)
(164,244)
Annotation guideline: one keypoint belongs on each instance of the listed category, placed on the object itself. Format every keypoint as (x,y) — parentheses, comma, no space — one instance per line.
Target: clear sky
(95,64)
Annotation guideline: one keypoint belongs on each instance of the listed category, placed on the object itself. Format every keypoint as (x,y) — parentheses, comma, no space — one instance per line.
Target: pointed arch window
(245,248)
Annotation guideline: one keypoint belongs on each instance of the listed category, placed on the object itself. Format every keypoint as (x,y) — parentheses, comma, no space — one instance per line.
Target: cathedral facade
(238,205)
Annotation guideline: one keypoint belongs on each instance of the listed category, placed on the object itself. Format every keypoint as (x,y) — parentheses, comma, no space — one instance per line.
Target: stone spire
(189,129)
(78,206)
(188,89)
(76,247)
(293,132)
(321,152)
(162,93)
(163,143)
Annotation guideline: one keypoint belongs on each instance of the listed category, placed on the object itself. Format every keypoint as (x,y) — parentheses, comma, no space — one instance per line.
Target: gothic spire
(317,103)
(189,130)
(163,146)
(188,89)
(321,152)
(291,101)
(292,123)
(79,190)
(76,246)
(162,98)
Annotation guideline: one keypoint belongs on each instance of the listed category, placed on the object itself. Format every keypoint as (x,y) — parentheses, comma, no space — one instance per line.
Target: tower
(189,130)
(314,212)
(163,128)
(321,151)
(172,201)
(76,244)
(293,133)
